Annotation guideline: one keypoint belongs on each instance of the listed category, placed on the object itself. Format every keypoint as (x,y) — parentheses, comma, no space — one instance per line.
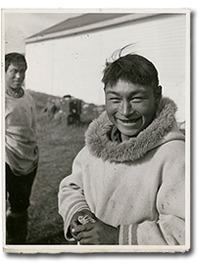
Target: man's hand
(97,233)
(75,222)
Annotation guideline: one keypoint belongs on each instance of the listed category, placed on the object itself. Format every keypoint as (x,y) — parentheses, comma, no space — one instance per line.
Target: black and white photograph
(96,130)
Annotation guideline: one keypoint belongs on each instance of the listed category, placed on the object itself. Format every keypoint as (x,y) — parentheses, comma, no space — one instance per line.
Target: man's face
(131,107)
(14,76)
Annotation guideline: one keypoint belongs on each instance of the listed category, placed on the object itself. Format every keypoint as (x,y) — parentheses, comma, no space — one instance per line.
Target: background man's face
(14,76)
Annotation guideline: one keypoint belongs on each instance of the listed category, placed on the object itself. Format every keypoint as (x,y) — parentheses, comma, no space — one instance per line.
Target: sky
(17,26)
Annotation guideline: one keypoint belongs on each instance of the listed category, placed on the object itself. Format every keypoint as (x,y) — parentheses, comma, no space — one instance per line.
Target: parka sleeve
(171,197)
(170,203)
(71,195)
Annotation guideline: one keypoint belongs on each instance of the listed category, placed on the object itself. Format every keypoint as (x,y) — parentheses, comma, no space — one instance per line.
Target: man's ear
(158,93)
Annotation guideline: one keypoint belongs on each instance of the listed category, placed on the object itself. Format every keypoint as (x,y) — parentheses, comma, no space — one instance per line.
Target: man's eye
(115,100)
(13,71)
(137,99)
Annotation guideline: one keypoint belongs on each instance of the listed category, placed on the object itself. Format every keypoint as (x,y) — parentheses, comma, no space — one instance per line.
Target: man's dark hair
(14,58)
(132,68)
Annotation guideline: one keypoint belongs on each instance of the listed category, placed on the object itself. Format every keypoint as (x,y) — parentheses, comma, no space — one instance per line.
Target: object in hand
(85,219)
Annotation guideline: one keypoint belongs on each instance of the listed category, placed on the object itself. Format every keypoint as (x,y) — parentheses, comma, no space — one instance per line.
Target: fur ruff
(99,144)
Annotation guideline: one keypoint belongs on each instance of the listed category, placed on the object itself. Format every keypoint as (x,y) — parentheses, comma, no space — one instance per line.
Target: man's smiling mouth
(129,121)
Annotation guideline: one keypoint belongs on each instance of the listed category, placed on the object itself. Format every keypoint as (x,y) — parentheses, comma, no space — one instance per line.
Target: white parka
(137,185)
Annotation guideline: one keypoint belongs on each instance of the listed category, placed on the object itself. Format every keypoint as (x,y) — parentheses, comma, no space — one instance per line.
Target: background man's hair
(132,68)
(14,58)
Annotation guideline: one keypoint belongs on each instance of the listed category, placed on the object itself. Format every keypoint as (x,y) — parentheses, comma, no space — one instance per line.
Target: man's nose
(126,108)
(18,75)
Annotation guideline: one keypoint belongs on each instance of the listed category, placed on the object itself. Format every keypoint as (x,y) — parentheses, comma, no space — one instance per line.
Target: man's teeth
(129,121)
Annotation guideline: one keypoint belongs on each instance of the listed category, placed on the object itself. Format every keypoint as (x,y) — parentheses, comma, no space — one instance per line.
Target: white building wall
(73,65)
(39,75)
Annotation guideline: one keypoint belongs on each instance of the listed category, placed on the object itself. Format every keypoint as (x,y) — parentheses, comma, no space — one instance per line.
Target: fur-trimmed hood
(162,129)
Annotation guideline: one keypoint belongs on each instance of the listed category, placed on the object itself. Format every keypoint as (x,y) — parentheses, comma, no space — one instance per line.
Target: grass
(58,145)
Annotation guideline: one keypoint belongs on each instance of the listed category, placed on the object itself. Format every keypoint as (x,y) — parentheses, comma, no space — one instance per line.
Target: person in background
(21,150)
(127,183)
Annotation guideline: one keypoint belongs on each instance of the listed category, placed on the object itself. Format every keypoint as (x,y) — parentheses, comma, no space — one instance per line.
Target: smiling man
(131,107)
(21,147)
(129,178)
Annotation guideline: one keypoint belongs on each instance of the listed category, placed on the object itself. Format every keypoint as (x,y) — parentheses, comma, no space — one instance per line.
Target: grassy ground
(58,145)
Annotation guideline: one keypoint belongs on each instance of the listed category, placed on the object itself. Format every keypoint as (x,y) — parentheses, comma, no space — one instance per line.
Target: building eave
(91,27)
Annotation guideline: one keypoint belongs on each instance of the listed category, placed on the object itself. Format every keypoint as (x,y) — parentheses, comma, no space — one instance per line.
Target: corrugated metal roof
(80,21)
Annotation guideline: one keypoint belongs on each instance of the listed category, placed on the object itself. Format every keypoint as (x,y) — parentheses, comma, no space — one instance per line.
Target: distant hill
(41,99)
